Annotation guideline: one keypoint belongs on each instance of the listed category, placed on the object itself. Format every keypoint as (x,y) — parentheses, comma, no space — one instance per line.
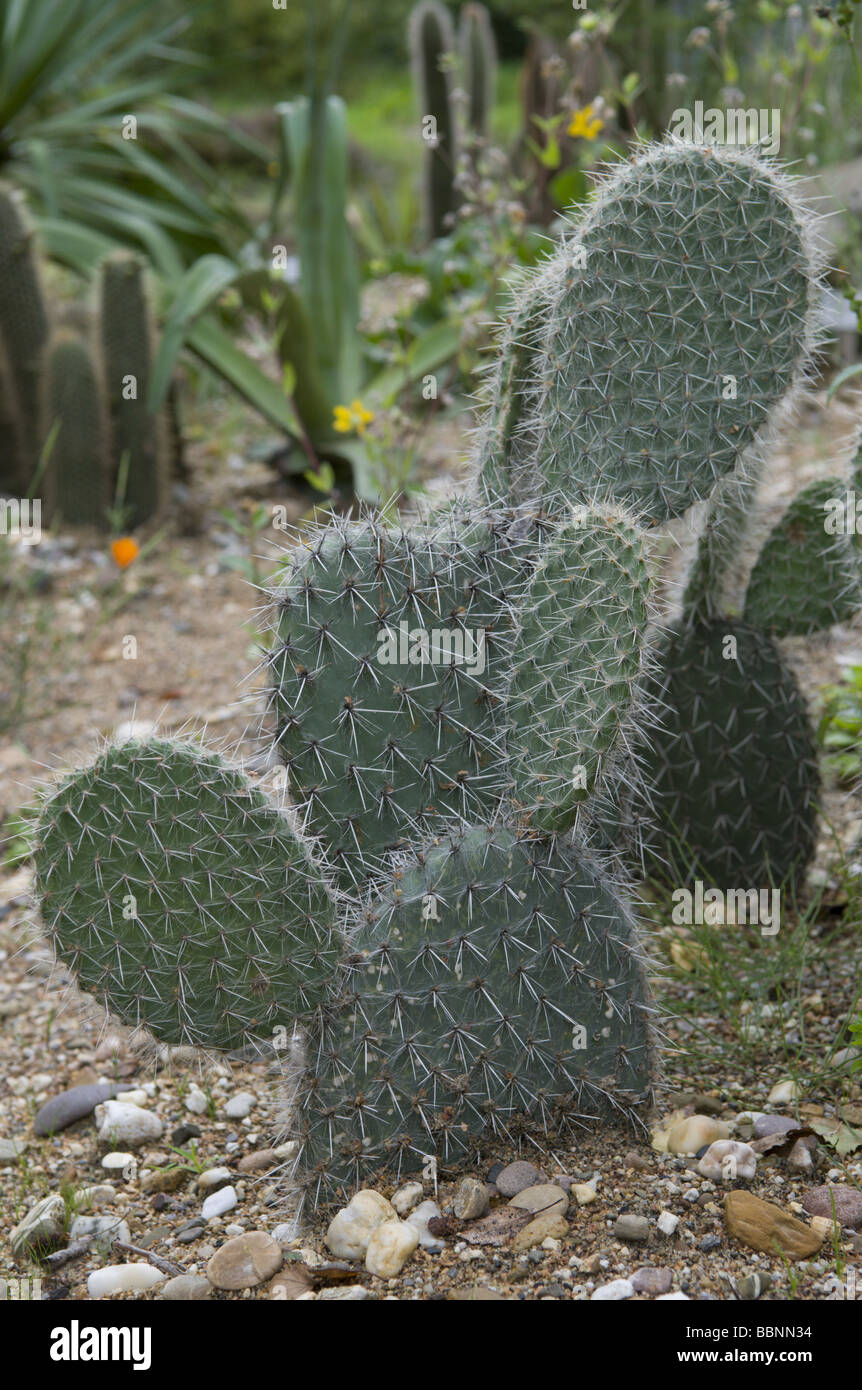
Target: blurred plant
(855,1030)
(478,74)
(457,282)
(842,13)
(92,132)
(249,523)
(840,727)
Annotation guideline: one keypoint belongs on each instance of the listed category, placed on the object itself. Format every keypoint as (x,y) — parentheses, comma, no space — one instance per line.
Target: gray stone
(471,1199)
(103,1230)
(188,1288)
(631,1228)
(848,1203)
(63,1110)
(11,1151)
(43,1227)
(652,1280)
(774,1124)
(753,1285)
(515,1177)
(183,1133)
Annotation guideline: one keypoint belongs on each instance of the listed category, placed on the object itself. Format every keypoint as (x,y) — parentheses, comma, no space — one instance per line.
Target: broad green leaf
(217,349)
(197,290)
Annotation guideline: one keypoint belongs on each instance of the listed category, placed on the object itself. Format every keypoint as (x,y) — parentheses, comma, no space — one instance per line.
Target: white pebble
(667,1223)
(213,1177)
(727,1160)
(239,1105)
(351,1229)
(117,1160)
(219,1202)
(407,1197)
(120,1123)
(122,1278)
(783,1092)
(613,1292)
(390,1247)
(419,1218)
(196,1101)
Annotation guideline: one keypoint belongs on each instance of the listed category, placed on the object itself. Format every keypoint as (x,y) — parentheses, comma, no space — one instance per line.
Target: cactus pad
(181,899)
(391,653)
(733,770)
(495,987)
(679,315)
(577,662)
(805,578)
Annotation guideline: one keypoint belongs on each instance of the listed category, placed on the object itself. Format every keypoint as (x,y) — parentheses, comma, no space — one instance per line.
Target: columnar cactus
(77,481)
(457,705)
(478,65)
(24,330)
(431,39)
(126,336)
(14,467)
(52,391)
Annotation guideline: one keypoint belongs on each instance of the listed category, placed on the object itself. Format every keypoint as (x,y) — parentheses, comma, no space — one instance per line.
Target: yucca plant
(72,73)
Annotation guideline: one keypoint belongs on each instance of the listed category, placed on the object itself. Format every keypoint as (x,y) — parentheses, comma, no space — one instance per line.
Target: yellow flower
(352,417)
(584,125)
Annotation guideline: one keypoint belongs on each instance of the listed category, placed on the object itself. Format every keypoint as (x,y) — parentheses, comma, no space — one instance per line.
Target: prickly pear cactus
(734,768)
(77,482)
(577,665)
(808,575)
(432,690)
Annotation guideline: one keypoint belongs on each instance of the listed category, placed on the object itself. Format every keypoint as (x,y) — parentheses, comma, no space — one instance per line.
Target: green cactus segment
(390,654)
(77,474)
(577,664)
(478,66)
(496,989)
(510,433)
(807,577)
(23,320)
(181,899)
(15,472)
(127,353)
(680,316)
(431,39)
(715,567)
(733,771)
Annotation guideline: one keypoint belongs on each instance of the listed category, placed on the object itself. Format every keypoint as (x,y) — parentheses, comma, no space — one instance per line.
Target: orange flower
(124,551)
